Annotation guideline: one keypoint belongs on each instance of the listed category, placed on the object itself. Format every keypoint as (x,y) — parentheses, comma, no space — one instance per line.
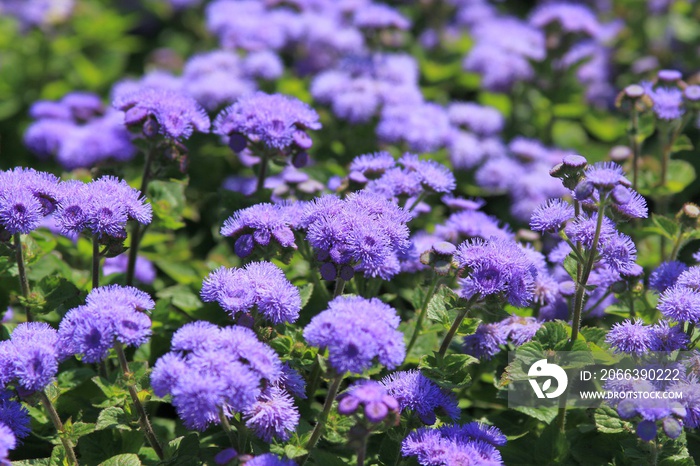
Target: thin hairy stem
(56,420)
(455,326)
(223,420)
(339,287)
(321,424)
(136,227)
(95,262)
(421,314)
(22,271)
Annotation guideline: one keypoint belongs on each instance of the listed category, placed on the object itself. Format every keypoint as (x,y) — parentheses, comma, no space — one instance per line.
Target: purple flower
(111,313)
(355,331)
(14,415)
(668,102)
(26,196)
(258,225)
(372,165)
(667,338)
(421,395)
(551,216)
(380,16)
(583,229)
(519,329)
(269,459)
(496,267)
(433,176)
(468,224)
(8,442)
(690,278)
(174,114)
(571,18)
(276,121)
(144,272)
(372,397)
(680,303)
(472,443)
(485,342)
(606,175)
(666,275)
(212,369)
(261,285)
(484,121)
(619,252)
(630,337)
(635,208)
(273,415)
(423,127)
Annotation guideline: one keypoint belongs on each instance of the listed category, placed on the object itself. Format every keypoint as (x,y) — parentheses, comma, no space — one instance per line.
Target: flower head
(273,415)
(418,393)
(630,337)
(258,225)
(372,397)
(680,303)
(666,275)
(551,216)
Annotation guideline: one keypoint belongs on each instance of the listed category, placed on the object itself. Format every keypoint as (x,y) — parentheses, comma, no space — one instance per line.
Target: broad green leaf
(680,175)
(182,297)
(552,333)
(608,421)
(305,292)
(112,418)
(128,459)
(78,429)
(168,202)
(682,143)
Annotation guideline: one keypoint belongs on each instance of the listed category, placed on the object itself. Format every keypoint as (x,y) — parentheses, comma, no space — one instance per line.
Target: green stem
(223,420)
(315,376)
(56,420)
(455,326)
(95,262)
(417,201)
(362,450)
(422,312)
(136,228)
(318,429)
(339,287)
(143,417)
(22,271)
(654,460)
(634,144)
(262,172)
(677,244)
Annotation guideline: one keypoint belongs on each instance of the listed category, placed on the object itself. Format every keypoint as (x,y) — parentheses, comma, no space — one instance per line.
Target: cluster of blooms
(372,397)
(38,13)
(30,357)
(415,392)
(101,208)
(474,138)
(260,286)
(212,371)
(266,459)
(485,342)
(274,122)
(669,94)
(633,337)
(13,417)
(381,175)
(472,443)
(111,313)
(26,198)
(363,232)
(78,131)
(356,330)
(261,224)
(681,302)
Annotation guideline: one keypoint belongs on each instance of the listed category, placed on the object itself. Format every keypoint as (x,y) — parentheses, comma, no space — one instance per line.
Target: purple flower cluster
(269,459)
(373,399)
(472,443)
(665,275)
(273,415)
(30,357)
(496,267)
(667,101)
(260,225)
(634,337)
(669,413)
(212,370)
(423,127)
(14,416)
(157,110)
(38,13)
(26,198)
(681,301)
(419,394)
(101,208)
(363,231)
(111,313)
(78,132)
(356,331)
(485,342)
(8,442)
(275,122)
(260,286)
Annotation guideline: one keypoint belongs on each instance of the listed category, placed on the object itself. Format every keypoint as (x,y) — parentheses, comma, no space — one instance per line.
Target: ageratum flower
(667,338)
(690,401)
(690,278)
(421,395)
(170,113)
(468,224)
(423,127)
(8,442)
(680,303)
(665,275)
(496,267)
(26,197)
(14,415)
(144,271)
(380,16)
(111,313)
(606,175)
(484,121)
(551,216)
(276,121)
(269,459)
(434,177)
(472,443)
(364,231)
(356,331)
(372,397)
(574,19)
(273,416)
(31,356)
(258,225)
(211,369)
(260,285)
(485,342)
(101,207)
(630,337)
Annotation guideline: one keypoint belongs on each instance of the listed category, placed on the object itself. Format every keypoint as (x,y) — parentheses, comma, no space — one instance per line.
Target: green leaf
(112,418)
(551,333)
(450,371)
(607,421)
(571,266)
(682,143)
(58,293)
(183,448)
(128,459)
(546,415)
(182,297)
(78,429)
(293,451)
(168,202)
(305,292)
(680,175)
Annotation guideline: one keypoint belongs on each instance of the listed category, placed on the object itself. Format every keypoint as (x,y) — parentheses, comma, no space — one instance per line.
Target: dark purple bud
(302,140)
(150,128)
(672,427)
(574,161)
(558,171)
(135,116)
(646,430)
(237,142)
(669,76)
(584,190)
(634,91)
(245,320)
(300,159)
(225,456)
(348,405)
(692,93)
(376,411)
(444,248)
(346,272)
(328,271)
(244,246)
(620,153)
(621,195)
